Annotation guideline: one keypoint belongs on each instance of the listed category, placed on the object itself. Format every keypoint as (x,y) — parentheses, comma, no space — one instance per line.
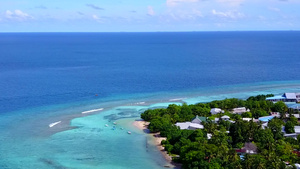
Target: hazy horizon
(154,16)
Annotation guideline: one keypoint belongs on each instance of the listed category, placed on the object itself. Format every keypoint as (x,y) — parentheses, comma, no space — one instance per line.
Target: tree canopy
(195,150)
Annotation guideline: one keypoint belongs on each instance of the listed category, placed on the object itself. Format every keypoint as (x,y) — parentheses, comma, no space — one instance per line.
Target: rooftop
(196,120)
(297,129)
(204,119)
(225,117)
(294,106)
(275,98)
(265,118)
(197,126)
(189,125)
(248,119)
(290,95)
(184,125)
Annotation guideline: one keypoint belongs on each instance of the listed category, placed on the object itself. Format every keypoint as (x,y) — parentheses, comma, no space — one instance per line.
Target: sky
(148,15)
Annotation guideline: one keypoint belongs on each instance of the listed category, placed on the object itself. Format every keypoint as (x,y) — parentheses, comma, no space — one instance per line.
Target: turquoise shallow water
(83,140)
(52,77)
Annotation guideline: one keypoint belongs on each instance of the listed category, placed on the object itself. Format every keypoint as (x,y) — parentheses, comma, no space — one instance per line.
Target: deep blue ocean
(52,68)
(48,77)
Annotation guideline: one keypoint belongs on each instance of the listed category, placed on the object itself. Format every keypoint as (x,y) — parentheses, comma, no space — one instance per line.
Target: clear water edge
(79,129)
(45,78)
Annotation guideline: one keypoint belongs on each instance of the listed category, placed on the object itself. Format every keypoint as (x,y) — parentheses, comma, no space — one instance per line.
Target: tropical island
(255,133)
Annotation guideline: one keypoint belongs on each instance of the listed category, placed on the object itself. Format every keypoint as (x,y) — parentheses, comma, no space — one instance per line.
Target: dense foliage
(193,149)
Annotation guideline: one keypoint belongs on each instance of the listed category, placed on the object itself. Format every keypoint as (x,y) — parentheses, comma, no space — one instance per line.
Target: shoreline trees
(193,149)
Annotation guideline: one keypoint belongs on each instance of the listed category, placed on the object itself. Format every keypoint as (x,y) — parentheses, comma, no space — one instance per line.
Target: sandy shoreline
(142,125)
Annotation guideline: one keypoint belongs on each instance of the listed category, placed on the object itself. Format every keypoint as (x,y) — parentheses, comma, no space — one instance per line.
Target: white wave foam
(140,103)
(177,99)
(53,124)
(91,111)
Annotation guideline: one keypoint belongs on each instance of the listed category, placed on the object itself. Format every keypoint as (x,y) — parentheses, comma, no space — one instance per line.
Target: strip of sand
(157,141)
(143,125)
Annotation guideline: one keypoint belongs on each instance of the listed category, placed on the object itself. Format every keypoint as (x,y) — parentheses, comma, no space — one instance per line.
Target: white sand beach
(143,125)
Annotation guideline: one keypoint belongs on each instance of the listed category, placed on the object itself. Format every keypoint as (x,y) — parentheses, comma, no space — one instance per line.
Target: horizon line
(153,31)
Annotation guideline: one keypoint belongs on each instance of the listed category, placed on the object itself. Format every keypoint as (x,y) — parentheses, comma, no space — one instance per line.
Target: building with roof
(216,120)
(196,120)
(297,166)
(226,118)
(264,125)
(295,115)
(189,126)
(199,120)
(240,110)
(293,135)
(216,111)
(295,107)
(183,126)
(248,119)
(249,148)
(193,125)
(286,97)
(275,114)
(265,118)
(297,129)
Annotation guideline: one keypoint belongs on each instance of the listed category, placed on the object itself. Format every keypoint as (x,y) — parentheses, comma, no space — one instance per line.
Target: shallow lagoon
(51,77)
(84,140)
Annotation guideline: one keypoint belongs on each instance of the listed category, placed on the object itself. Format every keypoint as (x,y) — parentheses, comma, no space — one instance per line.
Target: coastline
(92,126)
(143,125)
(124,80)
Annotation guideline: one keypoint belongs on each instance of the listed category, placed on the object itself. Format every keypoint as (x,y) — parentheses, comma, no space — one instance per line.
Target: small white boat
(115,123)
(128,132)
(106,125)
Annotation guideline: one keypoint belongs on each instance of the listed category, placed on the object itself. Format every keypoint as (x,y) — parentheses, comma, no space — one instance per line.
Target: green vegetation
(194,150)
